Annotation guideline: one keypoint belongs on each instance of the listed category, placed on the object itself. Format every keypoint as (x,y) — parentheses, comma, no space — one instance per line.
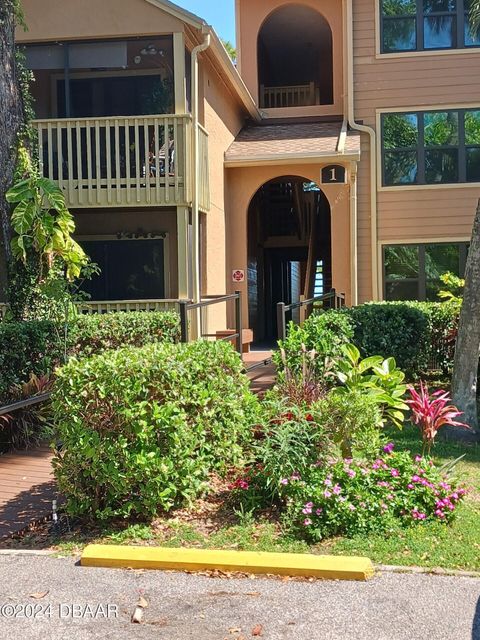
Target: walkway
(262,378)
(26,489)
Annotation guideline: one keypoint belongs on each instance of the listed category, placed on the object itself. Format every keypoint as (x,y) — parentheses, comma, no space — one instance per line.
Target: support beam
(182,243)
(179,73)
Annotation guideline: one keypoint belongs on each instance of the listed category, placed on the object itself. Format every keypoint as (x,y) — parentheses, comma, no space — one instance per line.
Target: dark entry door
(283,278)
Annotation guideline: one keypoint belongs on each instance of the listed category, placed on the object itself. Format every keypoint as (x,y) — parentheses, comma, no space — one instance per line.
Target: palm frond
(474,17)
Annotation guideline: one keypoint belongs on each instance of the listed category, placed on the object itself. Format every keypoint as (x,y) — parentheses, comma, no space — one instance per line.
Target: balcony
(123,161)
(301,95)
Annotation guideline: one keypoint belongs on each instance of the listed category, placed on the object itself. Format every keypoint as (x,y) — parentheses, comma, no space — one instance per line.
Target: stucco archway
(295,58)
(289,249)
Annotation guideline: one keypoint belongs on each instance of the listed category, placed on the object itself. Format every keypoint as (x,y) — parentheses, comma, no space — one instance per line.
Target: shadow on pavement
(476,623)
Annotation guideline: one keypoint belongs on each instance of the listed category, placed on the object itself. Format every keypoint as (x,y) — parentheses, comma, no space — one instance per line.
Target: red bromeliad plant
(432,412)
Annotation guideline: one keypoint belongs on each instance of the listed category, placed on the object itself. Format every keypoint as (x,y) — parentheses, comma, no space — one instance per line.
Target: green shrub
(290,439)
(27,348)
(393,329)
(381,380)
(94,333)
(37,347)
(351,497)
(352,422)
(419,335)
(143,427)
(323,332)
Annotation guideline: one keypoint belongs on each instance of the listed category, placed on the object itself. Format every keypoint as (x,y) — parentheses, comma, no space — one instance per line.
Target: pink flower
(284,481)
(422,516)
(337,489)
(439,513)
(319,512)
(395,473)
(351,473)
(327,482)
(306,511)
(327,493)
(410,486)
(418,458)
(352,507)
(341,499)
(295,476)
(390,496)
(388,448)
(307,522)
(309,505)
(416,478)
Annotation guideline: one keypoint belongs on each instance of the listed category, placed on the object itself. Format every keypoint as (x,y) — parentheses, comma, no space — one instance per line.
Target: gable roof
(293,141)
(219,51)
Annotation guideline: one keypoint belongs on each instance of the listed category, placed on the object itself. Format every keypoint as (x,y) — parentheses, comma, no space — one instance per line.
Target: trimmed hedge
(393,329)
(142,428)
(96,333)
(419,335)
(39,346)
(26,348)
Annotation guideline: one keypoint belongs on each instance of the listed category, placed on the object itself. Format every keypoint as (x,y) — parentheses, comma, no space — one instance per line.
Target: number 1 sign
(334,174)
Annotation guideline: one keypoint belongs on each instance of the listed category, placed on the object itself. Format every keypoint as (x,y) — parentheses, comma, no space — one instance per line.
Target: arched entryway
(295,58)
(289,249)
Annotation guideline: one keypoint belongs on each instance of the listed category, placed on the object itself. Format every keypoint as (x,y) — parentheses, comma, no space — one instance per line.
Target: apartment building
(341,149)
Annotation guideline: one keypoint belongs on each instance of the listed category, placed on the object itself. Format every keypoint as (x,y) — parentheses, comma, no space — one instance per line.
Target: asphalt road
(182,607)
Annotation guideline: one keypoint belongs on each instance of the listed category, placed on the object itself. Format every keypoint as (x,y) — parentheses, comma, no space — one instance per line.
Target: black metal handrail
(188,305)
(23,404)
(338,300)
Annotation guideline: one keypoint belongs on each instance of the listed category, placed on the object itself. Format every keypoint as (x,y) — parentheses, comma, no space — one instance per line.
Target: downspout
(195,257)
(348,35)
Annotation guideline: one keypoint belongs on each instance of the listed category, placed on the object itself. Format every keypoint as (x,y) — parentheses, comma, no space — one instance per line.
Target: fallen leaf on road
(253,593)
(142,603)
(234,630)
(38,595)
(257,630)
(137,615)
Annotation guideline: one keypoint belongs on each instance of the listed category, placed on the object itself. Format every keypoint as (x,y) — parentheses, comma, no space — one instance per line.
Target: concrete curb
(285,564)
(431,571)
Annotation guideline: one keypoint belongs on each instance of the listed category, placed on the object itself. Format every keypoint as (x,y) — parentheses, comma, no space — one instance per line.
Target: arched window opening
(295,60)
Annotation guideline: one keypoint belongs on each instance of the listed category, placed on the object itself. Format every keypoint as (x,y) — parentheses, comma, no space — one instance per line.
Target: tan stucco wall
(244,183)
(222,117)
(251,14)
(110,222)
(439,79)
(84,19)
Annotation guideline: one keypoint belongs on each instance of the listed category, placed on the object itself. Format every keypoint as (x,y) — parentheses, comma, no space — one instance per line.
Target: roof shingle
(266,141)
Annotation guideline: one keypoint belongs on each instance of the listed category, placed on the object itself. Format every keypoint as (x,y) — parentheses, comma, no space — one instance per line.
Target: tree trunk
(11,116)
(467,349)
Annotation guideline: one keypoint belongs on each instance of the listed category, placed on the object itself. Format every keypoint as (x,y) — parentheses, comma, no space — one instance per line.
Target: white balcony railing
(302,95)
(122,161)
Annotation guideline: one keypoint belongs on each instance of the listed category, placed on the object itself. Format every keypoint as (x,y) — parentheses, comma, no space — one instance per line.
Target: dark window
(426,25)
(129,269)
(431,147)
(412,271)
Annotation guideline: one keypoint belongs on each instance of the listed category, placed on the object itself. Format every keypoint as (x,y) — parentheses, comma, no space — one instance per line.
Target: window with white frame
(430,147)
(412,271)
(426,25)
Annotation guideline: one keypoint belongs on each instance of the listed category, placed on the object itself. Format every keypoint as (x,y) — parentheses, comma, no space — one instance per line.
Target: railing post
(302,310)
(281,321)
(238,320)
(183,321)
(334,297)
